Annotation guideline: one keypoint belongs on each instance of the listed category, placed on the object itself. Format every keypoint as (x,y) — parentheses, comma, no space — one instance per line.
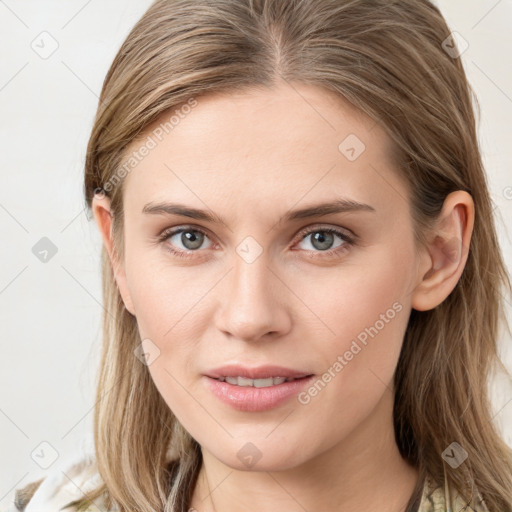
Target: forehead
(263,148)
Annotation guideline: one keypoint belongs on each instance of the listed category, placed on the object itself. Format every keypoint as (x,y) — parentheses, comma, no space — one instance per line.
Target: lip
(252,399)
(260,372)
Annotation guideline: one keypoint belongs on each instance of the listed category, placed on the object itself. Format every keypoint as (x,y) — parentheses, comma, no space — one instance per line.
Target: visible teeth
(257,383)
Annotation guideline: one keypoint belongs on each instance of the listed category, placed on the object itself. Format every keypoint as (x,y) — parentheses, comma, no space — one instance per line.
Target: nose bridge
(250,307)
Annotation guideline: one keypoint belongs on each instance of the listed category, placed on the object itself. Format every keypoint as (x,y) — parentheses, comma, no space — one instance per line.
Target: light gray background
(51,312)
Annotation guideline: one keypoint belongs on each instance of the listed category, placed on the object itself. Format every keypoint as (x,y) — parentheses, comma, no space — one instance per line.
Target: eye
(191,240)
(323,240)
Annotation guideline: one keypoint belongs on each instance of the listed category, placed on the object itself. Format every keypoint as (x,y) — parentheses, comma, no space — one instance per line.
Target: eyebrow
(338,206)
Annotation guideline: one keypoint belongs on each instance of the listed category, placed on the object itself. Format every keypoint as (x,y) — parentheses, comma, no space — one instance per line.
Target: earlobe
(103,216)
(447,252)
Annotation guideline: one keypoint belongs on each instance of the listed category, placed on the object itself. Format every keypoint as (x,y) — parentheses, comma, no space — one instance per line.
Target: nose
(251,306)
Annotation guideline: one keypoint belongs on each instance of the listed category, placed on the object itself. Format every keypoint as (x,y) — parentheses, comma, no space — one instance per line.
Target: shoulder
(64,483)
(440,496)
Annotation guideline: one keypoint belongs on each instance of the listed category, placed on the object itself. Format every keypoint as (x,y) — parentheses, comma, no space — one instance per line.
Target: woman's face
(269,284)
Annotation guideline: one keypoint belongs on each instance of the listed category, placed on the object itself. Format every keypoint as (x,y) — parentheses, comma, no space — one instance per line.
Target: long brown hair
(388,59)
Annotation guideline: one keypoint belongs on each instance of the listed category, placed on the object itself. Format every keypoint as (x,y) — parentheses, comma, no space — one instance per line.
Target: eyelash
(336,252)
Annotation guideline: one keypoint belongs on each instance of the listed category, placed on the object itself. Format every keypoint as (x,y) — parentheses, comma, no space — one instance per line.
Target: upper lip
(259,372)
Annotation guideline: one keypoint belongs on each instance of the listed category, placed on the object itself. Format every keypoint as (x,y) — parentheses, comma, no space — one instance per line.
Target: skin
(251,157)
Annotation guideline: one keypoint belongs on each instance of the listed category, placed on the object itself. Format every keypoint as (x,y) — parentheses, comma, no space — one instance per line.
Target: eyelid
(191,227)
(319,227)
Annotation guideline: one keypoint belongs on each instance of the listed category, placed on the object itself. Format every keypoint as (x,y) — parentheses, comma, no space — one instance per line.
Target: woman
(301,270)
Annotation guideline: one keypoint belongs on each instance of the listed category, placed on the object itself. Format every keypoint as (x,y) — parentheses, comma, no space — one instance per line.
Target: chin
(251,458)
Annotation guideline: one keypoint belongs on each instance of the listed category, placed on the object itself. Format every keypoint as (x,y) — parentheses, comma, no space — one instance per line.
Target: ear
(103,216)
(443,261)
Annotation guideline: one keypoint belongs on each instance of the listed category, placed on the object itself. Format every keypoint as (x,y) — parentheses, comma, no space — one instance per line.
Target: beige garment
(69,482)
(442,498)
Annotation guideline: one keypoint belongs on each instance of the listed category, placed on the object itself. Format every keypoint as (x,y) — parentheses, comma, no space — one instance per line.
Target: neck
(364,471)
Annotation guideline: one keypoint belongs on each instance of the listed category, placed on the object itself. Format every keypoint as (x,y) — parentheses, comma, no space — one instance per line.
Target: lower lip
(251,399)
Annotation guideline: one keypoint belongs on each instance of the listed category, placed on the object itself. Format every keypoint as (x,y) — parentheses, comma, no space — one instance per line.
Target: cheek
(170,314)
(366,308)
(359,360)
(164,296)
(348,300)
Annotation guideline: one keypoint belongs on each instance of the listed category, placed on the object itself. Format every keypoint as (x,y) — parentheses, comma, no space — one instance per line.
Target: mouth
(261,376)
(258,383)
(257,389)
